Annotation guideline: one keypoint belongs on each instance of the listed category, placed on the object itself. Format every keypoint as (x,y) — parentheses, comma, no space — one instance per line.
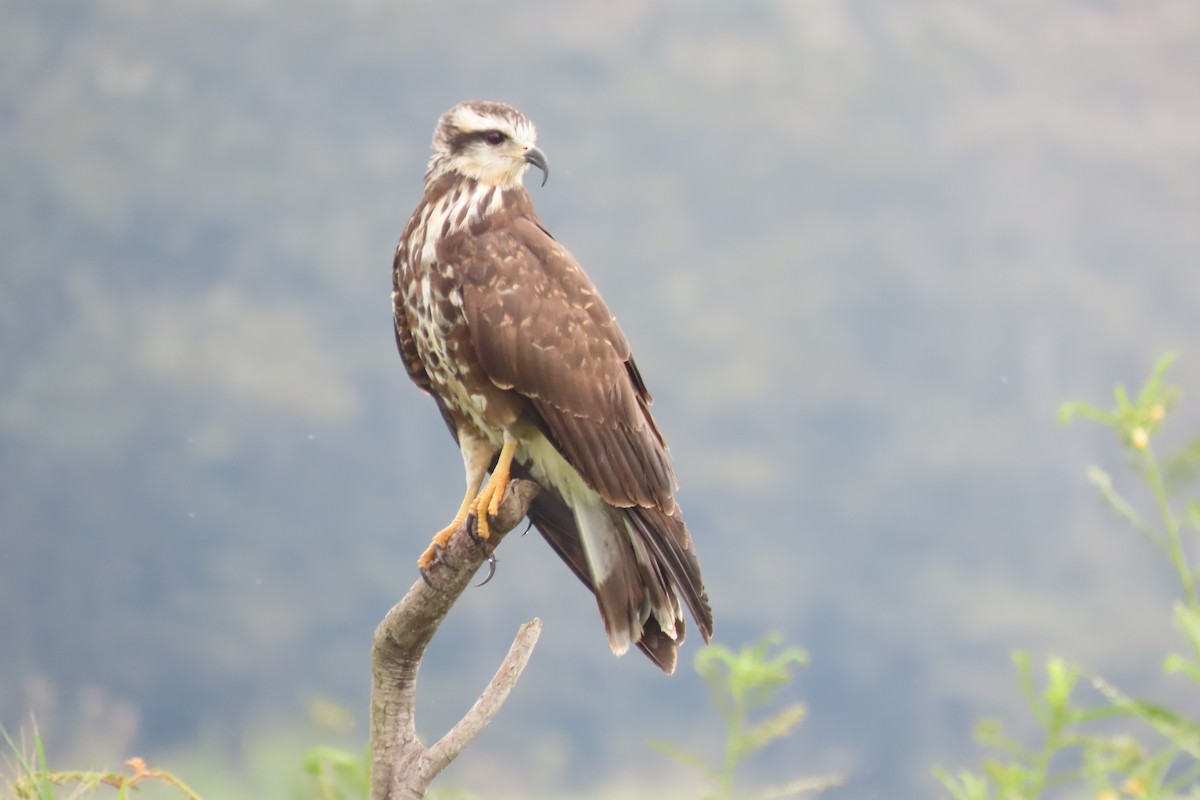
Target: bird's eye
(494,137)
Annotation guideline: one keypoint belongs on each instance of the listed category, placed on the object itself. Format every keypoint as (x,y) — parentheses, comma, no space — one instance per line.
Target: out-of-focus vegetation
(742,686)
(1105,744)
(35,780)
(339,774)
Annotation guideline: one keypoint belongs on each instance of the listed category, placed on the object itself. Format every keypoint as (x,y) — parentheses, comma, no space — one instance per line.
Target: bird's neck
(454,204)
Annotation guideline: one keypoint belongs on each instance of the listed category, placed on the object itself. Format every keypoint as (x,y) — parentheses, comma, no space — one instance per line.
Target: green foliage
(338,774)
(34,780)
(740,684)
(332,774)
(1078,748)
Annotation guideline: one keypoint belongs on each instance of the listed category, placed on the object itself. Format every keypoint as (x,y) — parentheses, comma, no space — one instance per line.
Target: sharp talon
(473,529)
(528,527)
(438,557)
(491,569)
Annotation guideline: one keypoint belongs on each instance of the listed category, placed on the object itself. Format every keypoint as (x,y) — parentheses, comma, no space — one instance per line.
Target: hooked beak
(538,159)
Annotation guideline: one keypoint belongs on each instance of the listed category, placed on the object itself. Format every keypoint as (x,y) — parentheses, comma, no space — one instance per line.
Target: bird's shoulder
(514,268)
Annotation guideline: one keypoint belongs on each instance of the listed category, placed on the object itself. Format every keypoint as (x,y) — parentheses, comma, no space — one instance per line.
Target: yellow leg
(443,536)
(488,502)
(477,453)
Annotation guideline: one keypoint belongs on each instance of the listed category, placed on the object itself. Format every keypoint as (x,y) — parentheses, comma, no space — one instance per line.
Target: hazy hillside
(862,251)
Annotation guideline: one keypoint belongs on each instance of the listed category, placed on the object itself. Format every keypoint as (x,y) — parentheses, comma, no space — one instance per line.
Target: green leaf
(964,785)
(775,727)
(1061,679)
(800,786)
(989,732)
(739,683)
(1151,772)
(747,679)
(1187,621)
(1184,733)
(1103,757)
(715,666)
(1024,668)
(683,757)
(1182,468)
(1011,779)
(1080,715)
(1123,404)
(318,757)
(1184,778)
(45,789)
(1153,392)
(33,776)
(1101,480)
(1177,663)
(22,762)
(1071,409)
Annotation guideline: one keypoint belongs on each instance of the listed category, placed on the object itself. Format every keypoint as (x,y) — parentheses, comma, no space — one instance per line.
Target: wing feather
(539,326)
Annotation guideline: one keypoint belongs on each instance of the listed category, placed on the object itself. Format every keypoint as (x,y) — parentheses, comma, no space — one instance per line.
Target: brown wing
(539,327)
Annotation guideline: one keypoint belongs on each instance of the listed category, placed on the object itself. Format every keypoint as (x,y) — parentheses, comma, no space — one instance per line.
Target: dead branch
(401,767)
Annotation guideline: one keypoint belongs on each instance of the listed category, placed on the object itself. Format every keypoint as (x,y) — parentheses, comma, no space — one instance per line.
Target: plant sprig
(741,684)
(1072,752)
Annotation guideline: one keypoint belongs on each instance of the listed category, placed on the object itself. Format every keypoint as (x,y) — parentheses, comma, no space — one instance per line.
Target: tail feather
(670,541)
(661,601)
(647,563)
(619,583)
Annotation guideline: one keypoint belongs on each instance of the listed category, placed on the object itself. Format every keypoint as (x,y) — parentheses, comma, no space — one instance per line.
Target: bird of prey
(533,376)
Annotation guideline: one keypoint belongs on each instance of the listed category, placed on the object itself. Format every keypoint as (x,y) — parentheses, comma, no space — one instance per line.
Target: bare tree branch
(401,767)
(475,720)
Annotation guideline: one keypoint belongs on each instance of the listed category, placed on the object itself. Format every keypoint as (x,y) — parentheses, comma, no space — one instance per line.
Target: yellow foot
(438,544)
(482,505)
(487,504)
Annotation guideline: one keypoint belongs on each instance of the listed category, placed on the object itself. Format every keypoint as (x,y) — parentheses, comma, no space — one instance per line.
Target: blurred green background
(862,251)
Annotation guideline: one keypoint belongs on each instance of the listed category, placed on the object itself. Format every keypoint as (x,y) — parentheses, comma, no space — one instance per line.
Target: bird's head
(490,142)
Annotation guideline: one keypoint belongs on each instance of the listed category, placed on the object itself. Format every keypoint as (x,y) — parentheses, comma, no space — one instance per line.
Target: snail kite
(533,376)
